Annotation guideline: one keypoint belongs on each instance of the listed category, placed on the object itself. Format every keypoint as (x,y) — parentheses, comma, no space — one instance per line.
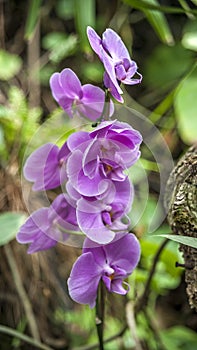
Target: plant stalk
(100,311)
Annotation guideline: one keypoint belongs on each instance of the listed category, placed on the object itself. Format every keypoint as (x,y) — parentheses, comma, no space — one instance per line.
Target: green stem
(100,311)
(106,107)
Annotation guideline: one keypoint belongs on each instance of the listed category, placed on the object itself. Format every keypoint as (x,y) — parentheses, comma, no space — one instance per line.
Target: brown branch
(130,314)
(21,292)
(13,333)
(142,302)
(2,26)
(33,50)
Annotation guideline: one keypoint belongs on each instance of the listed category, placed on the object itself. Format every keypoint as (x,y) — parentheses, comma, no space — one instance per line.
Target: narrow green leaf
(186,7)
(84,16)
(185,103)
(143,4)
(163,107)
(194,2)
(190,241)
(32,18)
(159,23)
(10,223)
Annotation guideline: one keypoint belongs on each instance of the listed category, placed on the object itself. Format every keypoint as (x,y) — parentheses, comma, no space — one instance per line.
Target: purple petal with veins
(112,263)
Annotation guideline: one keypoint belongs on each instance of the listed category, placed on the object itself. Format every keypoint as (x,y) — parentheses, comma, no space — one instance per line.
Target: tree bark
(181,204)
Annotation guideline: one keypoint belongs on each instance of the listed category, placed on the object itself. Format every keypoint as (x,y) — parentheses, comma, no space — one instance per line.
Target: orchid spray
(90,166)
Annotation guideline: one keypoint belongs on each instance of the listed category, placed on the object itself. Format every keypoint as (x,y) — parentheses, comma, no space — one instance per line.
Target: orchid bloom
(47,226)
(46,166)
(84,100)
(111,263)
(100,156)
(101,219)
(119,68)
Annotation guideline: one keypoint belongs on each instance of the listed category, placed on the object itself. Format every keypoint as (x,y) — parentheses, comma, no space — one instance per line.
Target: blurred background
(38,38)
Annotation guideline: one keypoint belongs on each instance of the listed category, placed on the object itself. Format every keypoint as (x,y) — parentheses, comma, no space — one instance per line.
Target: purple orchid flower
(119,68)
(85,100)
(111,263)
(46,166)
(47,226)
(101,219)
(100,156)
(120,142)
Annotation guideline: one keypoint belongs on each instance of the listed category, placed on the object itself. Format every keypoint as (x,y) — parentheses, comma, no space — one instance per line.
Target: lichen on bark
(181,204)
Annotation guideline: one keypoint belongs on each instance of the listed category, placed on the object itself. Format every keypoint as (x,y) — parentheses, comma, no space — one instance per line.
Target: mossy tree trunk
(181,203)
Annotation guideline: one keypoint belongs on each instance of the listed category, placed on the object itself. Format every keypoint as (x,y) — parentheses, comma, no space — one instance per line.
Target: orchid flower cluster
(90,167)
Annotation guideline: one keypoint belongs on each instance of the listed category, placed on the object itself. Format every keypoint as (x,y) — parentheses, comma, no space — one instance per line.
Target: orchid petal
(56,88)
(114,44)
(35,230)
(110,69)
(42,168)
(128,244)
(70,83)
(112,88)
(78,139)
(95,40)
(84,279)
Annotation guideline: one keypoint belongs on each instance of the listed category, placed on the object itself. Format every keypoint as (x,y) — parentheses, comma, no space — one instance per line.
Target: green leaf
(4,112)
(45,74)
(159,23)
(144,4)
(194,2)
(163,107)
(65,9)
(189,40)
(179,338)
(52,40)
(190,241)
(10,223)
(10,65)
(93,72)
(185,104)
(186,7)
(85,11)
(150,245)
(32,18)
(162,69)
(60,45)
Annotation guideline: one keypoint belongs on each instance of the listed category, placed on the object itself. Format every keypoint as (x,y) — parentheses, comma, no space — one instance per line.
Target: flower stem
(106,108)
(100,311)
(142,302)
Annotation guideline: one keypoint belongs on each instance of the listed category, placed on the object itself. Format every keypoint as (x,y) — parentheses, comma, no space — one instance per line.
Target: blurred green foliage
(18,123)
(163,40)
(10,224)
(59,45)
(10,65)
